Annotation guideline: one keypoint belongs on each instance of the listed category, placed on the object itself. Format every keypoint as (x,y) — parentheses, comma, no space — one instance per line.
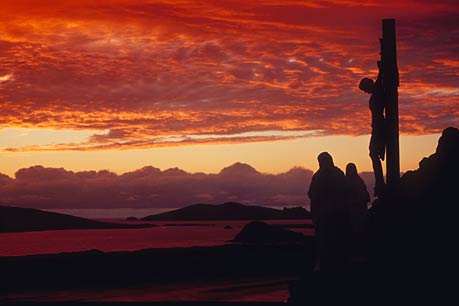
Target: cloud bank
(149,187)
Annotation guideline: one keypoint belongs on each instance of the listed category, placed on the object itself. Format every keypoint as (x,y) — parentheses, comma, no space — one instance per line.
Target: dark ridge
(16,219)
(229,211)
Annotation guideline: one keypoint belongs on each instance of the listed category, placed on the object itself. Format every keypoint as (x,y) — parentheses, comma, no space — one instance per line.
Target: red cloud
(162,70)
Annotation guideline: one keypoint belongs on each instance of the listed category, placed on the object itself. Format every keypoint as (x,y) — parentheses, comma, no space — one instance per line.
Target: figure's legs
(379,178)
(376,154)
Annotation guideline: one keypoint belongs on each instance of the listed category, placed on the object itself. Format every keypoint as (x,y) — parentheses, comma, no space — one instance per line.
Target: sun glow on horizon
(267,157)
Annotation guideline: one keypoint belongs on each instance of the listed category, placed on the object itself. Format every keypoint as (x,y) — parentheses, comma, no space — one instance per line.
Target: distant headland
(229,211)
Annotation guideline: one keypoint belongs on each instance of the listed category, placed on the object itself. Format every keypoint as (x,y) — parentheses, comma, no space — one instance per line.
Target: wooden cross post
(390,85)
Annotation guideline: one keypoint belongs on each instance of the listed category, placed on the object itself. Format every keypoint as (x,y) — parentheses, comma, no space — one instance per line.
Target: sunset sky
(199,85)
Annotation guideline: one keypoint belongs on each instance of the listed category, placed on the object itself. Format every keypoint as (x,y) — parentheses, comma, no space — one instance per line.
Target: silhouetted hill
(15,219)
(260,232)
(229,211)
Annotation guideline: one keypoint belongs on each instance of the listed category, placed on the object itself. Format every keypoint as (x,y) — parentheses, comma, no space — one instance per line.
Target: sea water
(166,234)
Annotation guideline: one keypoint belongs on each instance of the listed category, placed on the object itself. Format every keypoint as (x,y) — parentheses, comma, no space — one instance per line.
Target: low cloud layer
(149,187)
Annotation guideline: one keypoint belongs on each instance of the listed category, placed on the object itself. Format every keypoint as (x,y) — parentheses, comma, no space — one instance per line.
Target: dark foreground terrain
(168,268)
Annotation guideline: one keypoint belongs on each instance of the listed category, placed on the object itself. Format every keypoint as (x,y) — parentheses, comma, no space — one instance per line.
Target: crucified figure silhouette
(378,128)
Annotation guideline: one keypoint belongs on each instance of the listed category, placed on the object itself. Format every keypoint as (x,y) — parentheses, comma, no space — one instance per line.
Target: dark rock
(132,219)
(260,232)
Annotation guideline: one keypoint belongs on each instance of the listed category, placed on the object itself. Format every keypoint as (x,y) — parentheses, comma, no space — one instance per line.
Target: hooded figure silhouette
(358,198)
(330,213)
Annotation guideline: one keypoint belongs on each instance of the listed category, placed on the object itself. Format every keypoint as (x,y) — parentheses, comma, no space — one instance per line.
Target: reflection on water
(162,236)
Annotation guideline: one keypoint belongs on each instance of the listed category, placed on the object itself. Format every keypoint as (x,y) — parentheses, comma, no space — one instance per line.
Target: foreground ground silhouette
(427,195)
(173,268)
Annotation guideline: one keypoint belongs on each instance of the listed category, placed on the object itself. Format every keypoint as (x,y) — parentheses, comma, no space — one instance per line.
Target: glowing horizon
(301,152)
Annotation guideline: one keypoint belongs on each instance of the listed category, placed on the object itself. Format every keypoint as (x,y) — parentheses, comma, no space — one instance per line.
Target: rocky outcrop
(260,232)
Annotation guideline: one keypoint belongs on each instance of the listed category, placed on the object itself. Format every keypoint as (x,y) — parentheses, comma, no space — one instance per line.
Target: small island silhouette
(229,211)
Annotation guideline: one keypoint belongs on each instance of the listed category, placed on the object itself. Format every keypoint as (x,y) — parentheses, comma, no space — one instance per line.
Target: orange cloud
(159,69)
